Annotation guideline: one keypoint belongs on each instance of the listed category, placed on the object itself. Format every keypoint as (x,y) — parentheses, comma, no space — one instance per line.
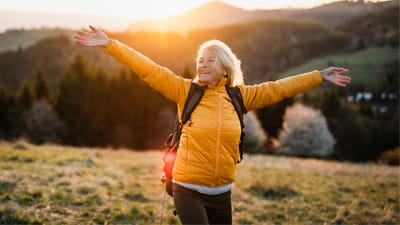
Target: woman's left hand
(331,75)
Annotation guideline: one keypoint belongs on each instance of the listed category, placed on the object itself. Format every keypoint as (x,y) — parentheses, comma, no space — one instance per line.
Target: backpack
(195,94)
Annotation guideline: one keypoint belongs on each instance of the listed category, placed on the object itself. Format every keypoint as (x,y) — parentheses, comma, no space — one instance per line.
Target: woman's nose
(202,65)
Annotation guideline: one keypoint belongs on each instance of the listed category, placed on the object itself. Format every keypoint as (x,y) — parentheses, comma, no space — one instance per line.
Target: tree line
(90,108)
(95,108)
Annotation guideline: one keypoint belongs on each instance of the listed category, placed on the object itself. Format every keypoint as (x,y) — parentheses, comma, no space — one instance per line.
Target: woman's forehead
(206,53)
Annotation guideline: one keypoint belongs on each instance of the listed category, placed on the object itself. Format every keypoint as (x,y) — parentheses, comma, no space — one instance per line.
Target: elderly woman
(208,151)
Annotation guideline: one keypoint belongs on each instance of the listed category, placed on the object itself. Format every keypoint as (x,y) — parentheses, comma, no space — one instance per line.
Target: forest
(55,91)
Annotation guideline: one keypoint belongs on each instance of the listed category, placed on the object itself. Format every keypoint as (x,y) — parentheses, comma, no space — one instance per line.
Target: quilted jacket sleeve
(160,78)
(267,93)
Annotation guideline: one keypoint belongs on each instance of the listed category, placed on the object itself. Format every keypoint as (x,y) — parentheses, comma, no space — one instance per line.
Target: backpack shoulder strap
(193,98)
(237,102)
(196,92)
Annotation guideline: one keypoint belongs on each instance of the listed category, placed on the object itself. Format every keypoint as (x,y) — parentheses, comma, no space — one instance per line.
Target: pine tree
(41,85)
(330,102)
(72,97)
(25,96)
(271,116)
(5,111)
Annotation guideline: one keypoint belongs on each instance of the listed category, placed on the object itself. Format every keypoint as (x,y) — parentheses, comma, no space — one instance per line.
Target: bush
(305,133)
(43,124)
(255,136)
(391,157)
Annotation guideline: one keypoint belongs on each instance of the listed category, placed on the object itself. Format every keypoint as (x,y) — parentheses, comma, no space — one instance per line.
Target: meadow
(367,66)
(51,184)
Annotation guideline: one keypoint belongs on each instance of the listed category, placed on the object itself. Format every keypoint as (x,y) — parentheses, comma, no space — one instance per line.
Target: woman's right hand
(97,38)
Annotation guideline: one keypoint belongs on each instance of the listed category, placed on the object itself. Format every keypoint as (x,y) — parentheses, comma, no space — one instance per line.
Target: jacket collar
(220,85)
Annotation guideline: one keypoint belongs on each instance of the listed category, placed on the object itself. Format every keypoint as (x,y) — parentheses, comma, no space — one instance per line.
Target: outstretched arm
(160,78)
(331,75)
(267,93)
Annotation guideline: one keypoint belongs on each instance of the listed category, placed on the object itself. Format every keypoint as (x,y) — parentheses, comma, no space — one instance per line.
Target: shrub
(305,133)
(255,136)
(391,157)
(43,124)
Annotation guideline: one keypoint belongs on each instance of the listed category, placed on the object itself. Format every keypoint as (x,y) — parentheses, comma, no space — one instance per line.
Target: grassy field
(65,185)
(368,66)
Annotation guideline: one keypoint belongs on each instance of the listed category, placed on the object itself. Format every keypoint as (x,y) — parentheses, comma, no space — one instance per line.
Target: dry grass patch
(64,185)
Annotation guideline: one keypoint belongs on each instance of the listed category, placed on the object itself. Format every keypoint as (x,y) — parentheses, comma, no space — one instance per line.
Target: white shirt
(206,190)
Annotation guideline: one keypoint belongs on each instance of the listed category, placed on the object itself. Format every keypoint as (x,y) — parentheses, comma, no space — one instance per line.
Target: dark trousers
(196,208)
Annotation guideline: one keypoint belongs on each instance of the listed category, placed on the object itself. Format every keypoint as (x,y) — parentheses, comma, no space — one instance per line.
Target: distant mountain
(209,15)
(14,39)
(217,14)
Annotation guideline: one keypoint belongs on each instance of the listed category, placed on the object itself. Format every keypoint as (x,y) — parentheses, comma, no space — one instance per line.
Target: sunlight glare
(148,9)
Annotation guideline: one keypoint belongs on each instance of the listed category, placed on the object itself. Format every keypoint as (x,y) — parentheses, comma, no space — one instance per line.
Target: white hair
(228,60)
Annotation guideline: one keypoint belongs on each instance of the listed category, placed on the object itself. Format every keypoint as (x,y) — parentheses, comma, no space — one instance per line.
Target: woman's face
(209,69)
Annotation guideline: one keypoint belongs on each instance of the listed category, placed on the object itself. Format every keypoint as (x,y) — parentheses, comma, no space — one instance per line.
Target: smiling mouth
(205,72)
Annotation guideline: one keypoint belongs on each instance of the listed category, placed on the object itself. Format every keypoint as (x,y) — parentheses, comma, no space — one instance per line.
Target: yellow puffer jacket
(208,149)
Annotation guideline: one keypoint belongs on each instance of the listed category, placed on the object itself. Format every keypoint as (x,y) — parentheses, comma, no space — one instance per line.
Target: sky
(134,9)
(119,12)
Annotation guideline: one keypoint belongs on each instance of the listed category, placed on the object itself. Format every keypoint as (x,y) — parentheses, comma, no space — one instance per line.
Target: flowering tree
(43,124)
(255,136)
(305,133)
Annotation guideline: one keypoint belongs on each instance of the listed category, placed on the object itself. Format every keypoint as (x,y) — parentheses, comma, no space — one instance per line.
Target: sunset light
(116,14)
(199,112)
(143,9)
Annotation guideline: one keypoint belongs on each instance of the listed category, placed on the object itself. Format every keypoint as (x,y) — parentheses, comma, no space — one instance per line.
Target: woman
(208,149)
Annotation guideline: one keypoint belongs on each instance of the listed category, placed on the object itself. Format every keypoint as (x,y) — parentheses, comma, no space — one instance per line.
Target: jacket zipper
(218,142)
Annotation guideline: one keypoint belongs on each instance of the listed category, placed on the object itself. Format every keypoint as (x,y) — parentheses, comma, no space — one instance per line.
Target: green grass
(366,67)
(64,185)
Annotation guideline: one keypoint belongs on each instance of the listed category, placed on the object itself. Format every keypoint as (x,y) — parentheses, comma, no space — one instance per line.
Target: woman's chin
(203,79)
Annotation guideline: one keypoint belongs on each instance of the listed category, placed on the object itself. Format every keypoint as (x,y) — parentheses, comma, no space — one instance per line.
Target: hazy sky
(114,14)
(134,9)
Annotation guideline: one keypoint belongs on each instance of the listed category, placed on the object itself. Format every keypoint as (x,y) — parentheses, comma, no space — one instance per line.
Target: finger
(343,77)
(95,29)
(340,84)
(83,33)
(79,38)
(344,81)
(92,28)
(340,70)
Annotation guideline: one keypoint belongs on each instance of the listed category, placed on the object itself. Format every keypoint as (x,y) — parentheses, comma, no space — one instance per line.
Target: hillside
(53,53)
(63,185)
(14,39)
(293,42)
(220,14)
(368,67)
(379,27)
